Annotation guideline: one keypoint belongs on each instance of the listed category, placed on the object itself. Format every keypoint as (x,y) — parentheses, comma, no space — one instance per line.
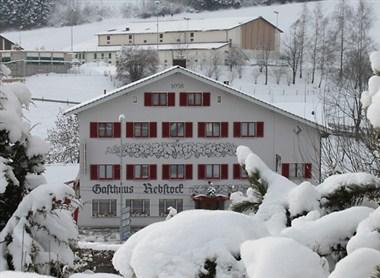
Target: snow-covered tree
(134,63)
(64,140)
(20,152)
(41,234)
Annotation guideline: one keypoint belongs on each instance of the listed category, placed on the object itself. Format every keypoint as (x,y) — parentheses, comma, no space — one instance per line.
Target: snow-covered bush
(189,244)
(41,233)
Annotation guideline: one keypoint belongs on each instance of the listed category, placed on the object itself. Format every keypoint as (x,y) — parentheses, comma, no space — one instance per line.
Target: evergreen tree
(19,150)
(64,140)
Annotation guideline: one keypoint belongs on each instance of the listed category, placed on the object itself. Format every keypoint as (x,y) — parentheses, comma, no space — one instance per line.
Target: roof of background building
(182,25)
(177,69)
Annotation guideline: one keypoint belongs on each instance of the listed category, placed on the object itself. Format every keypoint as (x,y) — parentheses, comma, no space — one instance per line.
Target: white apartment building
(186,40)
(176,147)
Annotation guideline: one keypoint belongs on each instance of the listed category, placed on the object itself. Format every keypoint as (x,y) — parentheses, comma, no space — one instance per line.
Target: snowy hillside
(59,38)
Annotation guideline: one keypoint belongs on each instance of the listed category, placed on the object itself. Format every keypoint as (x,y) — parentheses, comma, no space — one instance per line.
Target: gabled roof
(177,69)
(182,25)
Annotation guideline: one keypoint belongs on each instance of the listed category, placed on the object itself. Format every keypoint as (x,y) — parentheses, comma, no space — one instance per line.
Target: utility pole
(157,3)
(122,123)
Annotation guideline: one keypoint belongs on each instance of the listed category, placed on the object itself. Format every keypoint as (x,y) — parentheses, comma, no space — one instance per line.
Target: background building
(177,147)
(6,44)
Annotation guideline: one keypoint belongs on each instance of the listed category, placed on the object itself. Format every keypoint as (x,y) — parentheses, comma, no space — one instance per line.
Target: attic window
(108,37)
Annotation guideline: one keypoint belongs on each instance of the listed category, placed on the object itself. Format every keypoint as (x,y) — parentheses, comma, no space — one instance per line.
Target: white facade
(285,139)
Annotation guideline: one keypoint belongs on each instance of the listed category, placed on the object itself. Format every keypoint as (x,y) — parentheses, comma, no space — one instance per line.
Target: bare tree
(315,39)
(303,22)
(278,72)
(236,60)
(134,63)
(256,72)
(213,64)
(292,49)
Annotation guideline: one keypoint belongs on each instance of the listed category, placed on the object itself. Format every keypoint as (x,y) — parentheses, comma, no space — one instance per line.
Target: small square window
(219,99)
(130,37)
(145,41)
(134,99)
(108,38)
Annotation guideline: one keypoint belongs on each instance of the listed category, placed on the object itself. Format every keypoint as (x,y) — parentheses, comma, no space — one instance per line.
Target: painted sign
(148,188)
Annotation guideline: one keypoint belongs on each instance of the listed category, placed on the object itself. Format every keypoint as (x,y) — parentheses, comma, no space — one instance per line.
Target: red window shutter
(206,99)
(236,129)
(165,172)
(201,171)
(188,130)
(183,99)
(153,172)
(285,170)
(189,172)
(147,99)
(116,130)
(260,129)
(201,130)
(152,130)
(93,130)
(116,172)
(308,170)
(224,129)
(129,129)
(224,171)
(237,171)
(171,99)
(130,175)
(94,172)
(165,130)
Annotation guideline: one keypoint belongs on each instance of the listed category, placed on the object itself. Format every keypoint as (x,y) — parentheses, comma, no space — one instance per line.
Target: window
(165,204)
(248,129)
(104,207)
(139,207)
(194,99)
(109,55)
(105,129)
(161,36)
(191,39)
(141,129)
(177,171)
(192,35)
(108,38)
(159,99)
(239,172)
(297,170)
(145,41)
(102,55)
(95,56)
(105,172)
(213,171)
(141,172)
(130,37)
(212,129)
(177,129)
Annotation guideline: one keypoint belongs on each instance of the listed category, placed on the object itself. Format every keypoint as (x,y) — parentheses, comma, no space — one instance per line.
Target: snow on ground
(67,87)
(14,274)
(59,38)
(59,173)
(98,246)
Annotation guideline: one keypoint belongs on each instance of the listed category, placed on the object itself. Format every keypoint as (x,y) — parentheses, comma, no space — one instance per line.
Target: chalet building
(28,62)
(187,40)
(174,146)
(6,44)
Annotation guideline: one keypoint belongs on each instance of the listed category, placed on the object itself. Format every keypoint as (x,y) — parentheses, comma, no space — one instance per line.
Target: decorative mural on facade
(173,150)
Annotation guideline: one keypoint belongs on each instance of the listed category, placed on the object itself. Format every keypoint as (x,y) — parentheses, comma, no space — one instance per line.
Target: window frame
(213,170)
(163,99)
(246,129)
(112,208)
(194,97)
(141,176)
(176,132)
(163,206)
(141,126)
(104,126)
(213,124)
(177,175)
(145,208)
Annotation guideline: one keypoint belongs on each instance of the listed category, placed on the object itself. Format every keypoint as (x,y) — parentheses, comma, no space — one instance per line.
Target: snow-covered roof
(177,69)
(91,46)
(181,25)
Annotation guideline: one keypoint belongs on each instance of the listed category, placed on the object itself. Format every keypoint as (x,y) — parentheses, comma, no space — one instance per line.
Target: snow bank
(367,233)
(360,264)
(277,257)
(99,246)
(16,274)
(180,246)
(328,231)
